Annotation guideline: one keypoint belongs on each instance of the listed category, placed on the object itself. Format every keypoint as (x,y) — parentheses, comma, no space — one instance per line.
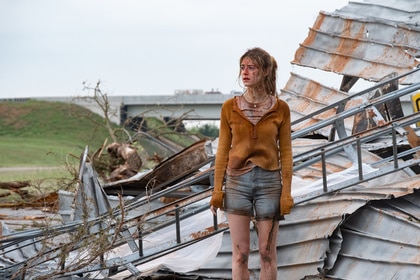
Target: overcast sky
(144,47)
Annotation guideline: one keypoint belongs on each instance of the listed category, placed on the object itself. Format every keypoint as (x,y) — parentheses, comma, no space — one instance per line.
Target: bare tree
(101,99)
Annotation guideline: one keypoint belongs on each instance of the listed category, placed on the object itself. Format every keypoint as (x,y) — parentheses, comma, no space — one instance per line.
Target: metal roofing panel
(306,95)
(379,240)
(302,87)
(407,11)
(367,246)
(362,48)
(370,40)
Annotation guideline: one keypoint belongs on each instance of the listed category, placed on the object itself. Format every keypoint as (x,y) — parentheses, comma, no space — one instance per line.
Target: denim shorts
(255,194)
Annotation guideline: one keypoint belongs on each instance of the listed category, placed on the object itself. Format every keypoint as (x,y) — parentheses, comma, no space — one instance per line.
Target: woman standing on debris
(254,155)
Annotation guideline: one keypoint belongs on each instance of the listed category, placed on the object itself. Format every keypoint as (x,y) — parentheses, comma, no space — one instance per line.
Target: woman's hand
(286,204)
(216,200)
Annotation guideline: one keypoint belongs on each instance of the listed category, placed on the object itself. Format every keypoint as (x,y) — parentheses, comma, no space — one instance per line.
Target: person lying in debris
(127,161)
(254,163)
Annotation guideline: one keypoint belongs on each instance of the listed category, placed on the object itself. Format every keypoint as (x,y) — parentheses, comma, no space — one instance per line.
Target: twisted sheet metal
(369,40)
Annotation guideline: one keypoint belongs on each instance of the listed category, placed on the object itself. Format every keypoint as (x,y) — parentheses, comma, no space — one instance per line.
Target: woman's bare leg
(267,239)
(240,236)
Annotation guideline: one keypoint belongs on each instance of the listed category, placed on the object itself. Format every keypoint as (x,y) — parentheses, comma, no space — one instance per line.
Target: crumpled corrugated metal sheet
(322,214)
(380,241)
(305,95)
(367,39)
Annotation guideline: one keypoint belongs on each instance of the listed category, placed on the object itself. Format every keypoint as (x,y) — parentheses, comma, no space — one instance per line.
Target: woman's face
(249,73)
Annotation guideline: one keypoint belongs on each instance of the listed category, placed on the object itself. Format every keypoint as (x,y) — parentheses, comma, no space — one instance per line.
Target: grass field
(42,141)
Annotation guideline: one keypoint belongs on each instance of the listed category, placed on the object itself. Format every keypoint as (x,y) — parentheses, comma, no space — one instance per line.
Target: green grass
(55,134)
(19,152)
(36,134)
(52,121)
(28,174)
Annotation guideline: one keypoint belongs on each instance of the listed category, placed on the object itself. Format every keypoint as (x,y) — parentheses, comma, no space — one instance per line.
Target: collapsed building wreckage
(356,178)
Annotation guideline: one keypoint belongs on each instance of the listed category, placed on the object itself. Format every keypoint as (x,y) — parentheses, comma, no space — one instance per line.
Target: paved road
(28,168)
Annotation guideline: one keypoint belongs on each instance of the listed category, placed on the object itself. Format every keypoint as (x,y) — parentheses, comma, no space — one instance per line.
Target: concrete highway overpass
(188,106)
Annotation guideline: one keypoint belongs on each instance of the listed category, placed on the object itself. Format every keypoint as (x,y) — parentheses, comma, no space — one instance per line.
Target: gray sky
(142,47)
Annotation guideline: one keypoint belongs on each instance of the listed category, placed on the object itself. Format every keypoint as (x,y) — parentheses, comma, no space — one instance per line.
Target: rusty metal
(369,48)
(176,167)
(367,40)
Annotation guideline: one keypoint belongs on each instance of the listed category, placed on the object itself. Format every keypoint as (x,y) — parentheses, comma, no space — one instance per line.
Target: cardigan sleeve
(285,148)
(223,147)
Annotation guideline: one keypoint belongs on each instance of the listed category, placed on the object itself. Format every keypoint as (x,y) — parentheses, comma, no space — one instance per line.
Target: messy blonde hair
(267,64)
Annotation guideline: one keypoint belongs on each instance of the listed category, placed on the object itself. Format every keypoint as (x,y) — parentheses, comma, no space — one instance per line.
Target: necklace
(255,104)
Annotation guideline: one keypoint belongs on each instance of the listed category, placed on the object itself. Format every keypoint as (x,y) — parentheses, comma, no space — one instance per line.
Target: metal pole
(324,171)
(177,225)
(359,158)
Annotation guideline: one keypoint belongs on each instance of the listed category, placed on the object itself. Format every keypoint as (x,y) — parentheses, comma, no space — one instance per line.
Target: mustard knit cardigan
(267,144)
